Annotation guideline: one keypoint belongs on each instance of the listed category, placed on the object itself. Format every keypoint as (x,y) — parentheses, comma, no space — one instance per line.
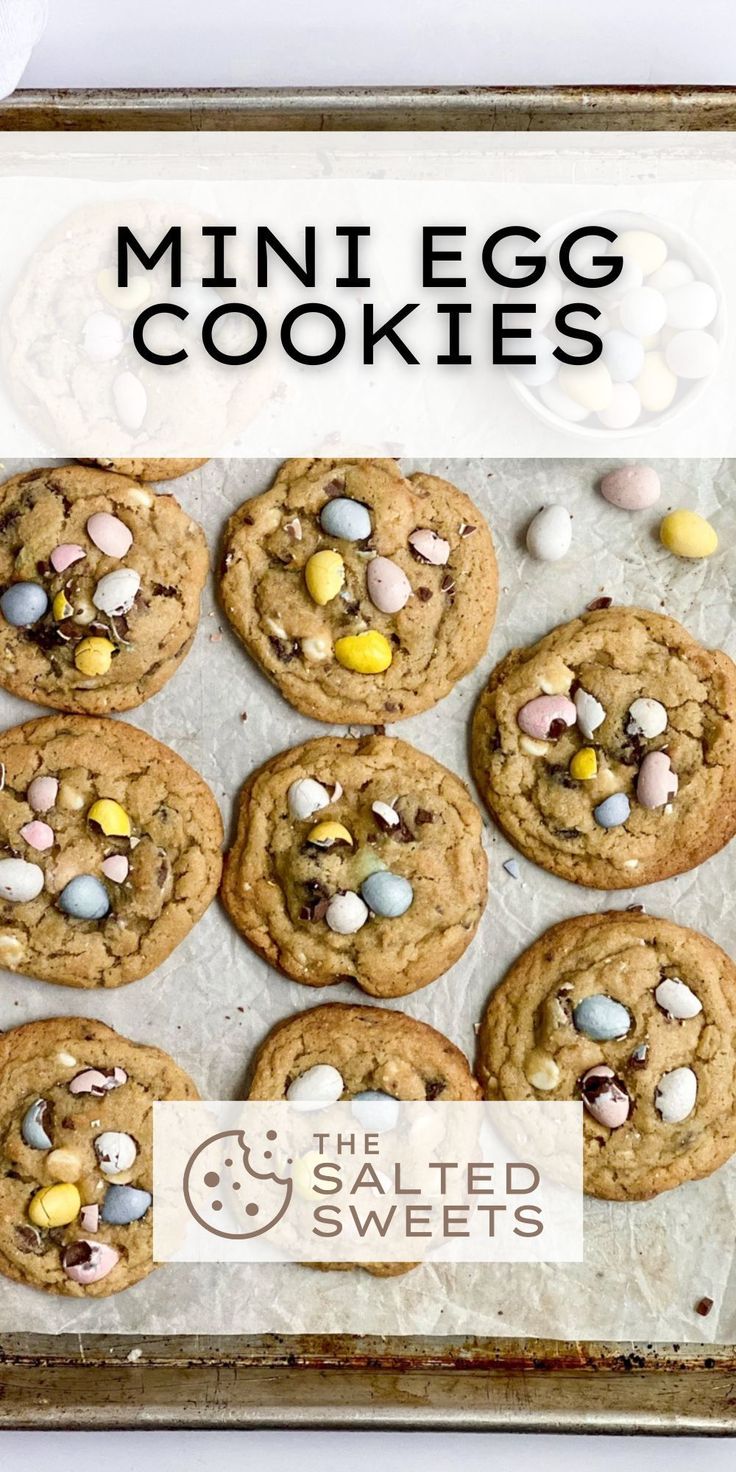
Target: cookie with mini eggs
(360,860)
(109,850)
(363,594)
(607,752)
(635,1017)
(76,1168)
(100,587)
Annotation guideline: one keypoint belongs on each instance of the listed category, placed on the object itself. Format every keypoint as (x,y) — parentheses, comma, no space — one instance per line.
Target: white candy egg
(319,1086)
(643,311)
(117,591)
(590,712)
(130,400)
(692,354)
(590,385)
(116,1152)
(670,275)
(305,797)
(561,405)
(693,305)
(677,999)
(647,718)
(676,1094)
(623,355)
(656,384)
(346,913)
(19,880)
(545,366)
(624,408)
(549,534)
(103,337)
(631,276)
(647,250)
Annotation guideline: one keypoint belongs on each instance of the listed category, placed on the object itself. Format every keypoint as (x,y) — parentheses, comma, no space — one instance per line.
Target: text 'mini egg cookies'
(357,859)
(607,751)
(100,586)
(109,850)
(636,1016)
(363,594)
(76,1167)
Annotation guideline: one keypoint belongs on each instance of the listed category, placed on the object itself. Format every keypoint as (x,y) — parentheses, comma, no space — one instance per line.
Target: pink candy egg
(64,556)
(39,835)
(90,1218)
(87,1262)
(116,868)
(388,586)
(547,717)
(656,782)
(428,547)
(631,487)
(42,794)
(110,534)
(605,1096)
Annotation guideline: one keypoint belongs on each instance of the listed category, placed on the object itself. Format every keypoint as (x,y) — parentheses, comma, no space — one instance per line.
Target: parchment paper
(647,1265)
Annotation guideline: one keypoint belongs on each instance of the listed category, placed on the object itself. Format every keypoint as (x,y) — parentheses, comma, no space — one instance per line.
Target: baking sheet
(646,1265)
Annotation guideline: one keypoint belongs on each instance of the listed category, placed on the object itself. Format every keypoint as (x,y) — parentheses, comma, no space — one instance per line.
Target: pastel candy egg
(87,1262)
(20,881)
(324,575)
(124,1204)
(647,718)
(110,817)
(386,894)
(368,654)
(130,400)
(93,656)
(687,534)
(33,1126)
(55,1206)
(84,898)
(116,867)
(316,1087)
(546,717)
(584,765)
(348,520)
(591,385)
(670,275)
(326,835)
(677,999)
(305,797)
(375,1111)
(643,311)
(61,607)
(605,1096)
(692,304)
(89,1218)
(624,408)
(427,546)
(388,586)
(656,384)
(692,354)
(37,835)
(103,337)
(623,355)
(66,555)
(549,534)
(589,712)
(647,250)
(631,487)
(346,913)
(97,1082)
(23,604)
(115,1152)
(656,782)
(110,534)
(42,793)
(117,591)
(675,1095)
(613,811)
(601,1018)
(544,367)
(561,405)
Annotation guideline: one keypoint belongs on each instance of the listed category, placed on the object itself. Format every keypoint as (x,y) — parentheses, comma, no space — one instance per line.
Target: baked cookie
(374,1051)
(149,469)
(362,594)
(360,860)
(109,850)
(76,1169)
(637,1017)
(607,751)
(100,585)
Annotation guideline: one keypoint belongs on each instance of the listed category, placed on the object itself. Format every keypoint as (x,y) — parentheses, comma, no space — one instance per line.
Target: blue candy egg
(84,898)
(601,1018)
(123,1204)
(346,519)
(32,1126)
(375,1111)
(387,894)
(23,604)
(613,811)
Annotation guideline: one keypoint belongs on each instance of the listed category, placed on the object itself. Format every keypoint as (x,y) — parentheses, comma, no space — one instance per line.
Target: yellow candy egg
(61,607)
(368,653)
(325,834)
(325,575)
(112,819)
(94,656)
(584,764)
(688,535)
(55,1206)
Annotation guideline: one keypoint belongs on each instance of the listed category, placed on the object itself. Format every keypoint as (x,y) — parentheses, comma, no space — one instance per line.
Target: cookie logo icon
(227,1194)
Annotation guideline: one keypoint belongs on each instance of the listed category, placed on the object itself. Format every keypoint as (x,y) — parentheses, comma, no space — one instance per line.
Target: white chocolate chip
(556,679)
(11,951)
(140,497)
(317,649)
(66,1060)
(70,798)
(541,1070)
(531,747)
(275,628)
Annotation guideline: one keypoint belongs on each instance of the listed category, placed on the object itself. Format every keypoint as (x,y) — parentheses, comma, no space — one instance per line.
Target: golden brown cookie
(636,1016)
(357,859)
(364,595)
(607,751)
(100,586)
(109,850)
(76,1168)
(149,469)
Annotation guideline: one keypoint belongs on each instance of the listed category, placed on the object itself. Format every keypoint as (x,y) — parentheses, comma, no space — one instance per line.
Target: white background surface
(285,42)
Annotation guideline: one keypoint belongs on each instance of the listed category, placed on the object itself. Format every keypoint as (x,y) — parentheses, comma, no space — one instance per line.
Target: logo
(228,1195)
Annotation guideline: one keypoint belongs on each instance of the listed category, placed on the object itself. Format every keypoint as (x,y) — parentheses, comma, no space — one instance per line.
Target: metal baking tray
(354,1382)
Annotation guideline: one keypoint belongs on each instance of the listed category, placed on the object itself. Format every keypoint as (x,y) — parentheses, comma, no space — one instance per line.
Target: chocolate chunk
(164,590)
(557,729)
(30,1240)
(285,649)
(567,832)
(466,530)
(703,1307)
(335,487)
(423,815)
(638,1059)
(315,910)
(424,594)
(599,603)
(433,1088)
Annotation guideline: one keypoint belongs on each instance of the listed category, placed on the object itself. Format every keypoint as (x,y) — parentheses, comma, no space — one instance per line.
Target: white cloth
(22,23)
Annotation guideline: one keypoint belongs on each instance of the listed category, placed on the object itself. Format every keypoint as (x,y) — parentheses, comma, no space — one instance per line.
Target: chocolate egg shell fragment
(605,1096)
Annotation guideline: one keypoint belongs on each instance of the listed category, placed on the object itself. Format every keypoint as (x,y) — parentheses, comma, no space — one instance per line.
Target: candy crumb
(512,868)
(134,1355)
(703,1307)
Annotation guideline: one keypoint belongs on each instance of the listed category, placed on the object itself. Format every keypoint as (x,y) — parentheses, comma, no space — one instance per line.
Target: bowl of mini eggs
(662,326)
